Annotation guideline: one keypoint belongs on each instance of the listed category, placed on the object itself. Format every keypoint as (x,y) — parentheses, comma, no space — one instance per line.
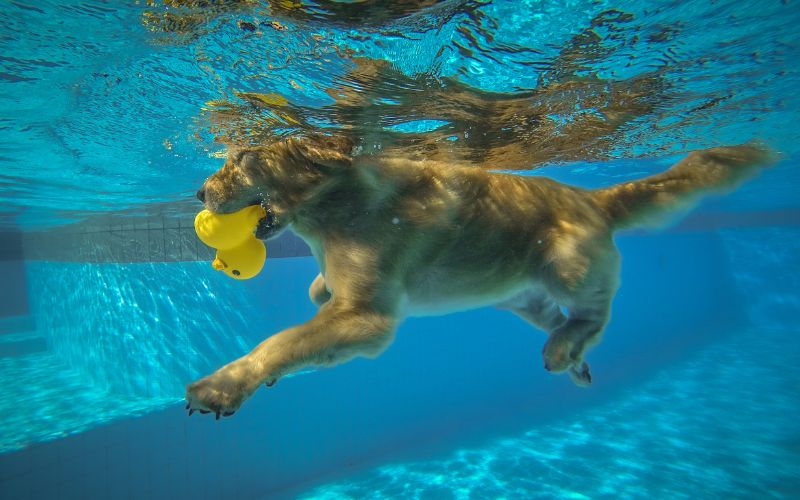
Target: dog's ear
(326,150)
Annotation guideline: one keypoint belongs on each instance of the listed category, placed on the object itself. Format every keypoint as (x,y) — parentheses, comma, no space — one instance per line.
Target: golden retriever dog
(395,237)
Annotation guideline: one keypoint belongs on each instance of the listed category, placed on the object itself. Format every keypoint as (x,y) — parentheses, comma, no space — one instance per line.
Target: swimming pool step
(22,347)
(16,324)
(19,337)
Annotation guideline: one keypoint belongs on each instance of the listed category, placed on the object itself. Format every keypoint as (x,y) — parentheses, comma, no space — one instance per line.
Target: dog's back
(462,237)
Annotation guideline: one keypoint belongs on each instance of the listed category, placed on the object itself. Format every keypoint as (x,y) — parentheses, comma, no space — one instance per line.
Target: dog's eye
(236,272)
(245,156)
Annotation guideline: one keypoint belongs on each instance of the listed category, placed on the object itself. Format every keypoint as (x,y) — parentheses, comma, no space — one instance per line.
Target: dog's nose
(201,194)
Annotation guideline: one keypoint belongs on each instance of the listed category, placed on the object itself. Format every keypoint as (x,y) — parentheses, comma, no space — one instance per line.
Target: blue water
(108,108)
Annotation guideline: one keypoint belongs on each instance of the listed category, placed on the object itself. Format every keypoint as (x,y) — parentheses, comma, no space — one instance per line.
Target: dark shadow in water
(192,18)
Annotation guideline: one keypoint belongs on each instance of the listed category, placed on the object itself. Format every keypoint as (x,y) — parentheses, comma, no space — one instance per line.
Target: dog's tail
(712,170)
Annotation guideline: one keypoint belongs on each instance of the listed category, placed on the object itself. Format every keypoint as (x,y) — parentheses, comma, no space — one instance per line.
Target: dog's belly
(432,297)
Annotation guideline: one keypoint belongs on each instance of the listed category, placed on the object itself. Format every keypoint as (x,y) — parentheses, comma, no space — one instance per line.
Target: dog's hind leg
(565,349)
(318,291)
(589,309)
(543,313)
(536,308)
(336,334)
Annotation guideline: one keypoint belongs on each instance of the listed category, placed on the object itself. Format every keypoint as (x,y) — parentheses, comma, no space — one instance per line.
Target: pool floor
(723,423)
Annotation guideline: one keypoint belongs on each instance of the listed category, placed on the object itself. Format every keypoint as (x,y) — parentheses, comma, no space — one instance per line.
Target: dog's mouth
(268,226)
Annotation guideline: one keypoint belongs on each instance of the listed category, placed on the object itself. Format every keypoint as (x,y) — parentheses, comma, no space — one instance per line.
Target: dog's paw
(559,354)
(221,393)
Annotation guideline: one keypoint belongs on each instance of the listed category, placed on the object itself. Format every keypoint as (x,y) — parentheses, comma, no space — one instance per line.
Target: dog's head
(283,177)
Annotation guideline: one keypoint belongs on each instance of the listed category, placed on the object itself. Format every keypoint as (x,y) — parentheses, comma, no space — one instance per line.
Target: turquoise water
(110,110)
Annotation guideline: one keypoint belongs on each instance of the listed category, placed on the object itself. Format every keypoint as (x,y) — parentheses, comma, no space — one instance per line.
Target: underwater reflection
(573,113)
(566,119)
(190,17)
(499,84)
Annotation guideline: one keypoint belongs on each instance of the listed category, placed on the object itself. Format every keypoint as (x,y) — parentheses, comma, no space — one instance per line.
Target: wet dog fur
(395,237)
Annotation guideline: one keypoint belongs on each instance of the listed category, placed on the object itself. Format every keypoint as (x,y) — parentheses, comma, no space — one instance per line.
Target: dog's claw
(217,413)
(271,382)
(581,375)
(188,405)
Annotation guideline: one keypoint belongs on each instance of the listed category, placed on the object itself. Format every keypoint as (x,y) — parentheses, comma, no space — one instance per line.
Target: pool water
(112,116)
(683,433)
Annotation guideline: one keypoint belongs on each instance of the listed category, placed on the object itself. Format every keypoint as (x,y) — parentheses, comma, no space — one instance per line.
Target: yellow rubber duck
(240,254)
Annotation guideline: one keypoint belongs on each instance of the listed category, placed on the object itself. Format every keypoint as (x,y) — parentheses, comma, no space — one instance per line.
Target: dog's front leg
(336,334)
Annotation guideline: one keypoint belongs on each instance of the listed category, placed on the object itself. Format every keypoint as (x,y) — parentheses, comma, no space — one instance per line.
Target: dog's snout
(201,194)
